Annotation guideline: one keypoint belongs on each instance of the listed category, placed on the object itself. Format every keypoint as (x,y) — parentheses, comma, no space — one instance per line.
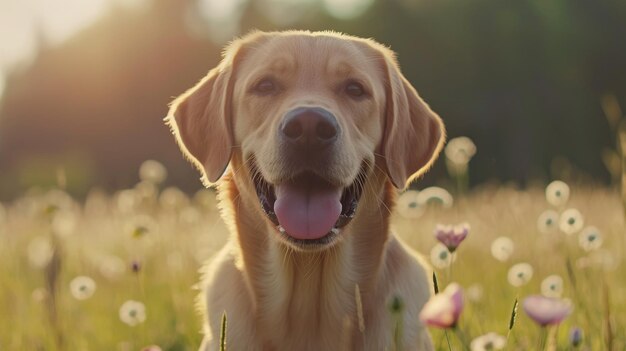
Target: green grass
(171,235)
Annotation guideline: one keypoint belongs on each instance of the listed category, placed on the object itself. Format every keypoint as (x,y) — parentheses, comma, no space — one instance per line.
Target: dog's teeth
(281,229)
(335,230)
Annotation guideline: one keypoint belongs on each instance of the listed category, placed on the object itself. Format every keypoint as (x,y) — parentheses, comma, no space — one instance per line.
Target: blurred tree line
(522,78)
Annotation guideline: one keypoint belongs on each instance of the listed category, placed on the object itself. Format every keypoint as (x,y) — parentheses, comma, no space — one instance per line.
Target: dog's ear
(201,120)
(413,133)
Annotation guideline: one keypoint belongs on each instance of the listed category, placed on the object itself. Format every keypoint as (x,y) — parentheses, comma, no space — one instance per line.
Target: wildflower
(459,151)
(571,221)
(39,294)
(152,171)
(520,274)
(502,248)
(451,236)
(548,221)
(557,193)
(64,223)
(132,313)
(82,287)
(575,336)
(435,195)
(135,266)
(126,201)
(40,252)
(489,341)
(111,267)
(546,310)
(172,198)
(440,257)
(590,239)
(552,286)
(443,310)
(474,292)
(408,205)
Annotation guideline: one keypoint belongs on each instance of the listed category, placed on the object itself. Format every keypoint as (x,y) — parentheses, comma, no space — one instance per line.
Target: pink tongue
(307,212)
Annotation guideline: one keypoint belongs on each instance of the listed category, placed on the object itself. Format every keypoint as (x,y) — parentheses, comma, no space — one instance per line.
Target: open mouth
(308,209)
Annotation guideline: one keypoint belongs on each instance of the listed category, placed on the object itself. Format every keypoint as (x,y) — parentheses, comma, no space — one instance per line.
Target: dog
(308,136)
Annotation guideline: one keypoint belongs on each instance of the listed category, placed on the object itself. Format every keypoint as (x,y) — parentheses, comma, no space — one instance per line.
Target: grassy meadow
(146,244)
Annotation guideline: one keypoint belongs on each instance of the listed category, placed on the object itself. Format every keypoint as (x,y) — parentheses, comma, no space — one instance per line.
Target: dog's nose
(311,127)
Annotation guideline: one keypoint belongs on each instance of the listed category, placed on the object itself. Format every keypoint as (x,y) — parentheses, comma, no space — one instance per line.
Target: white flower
(548,221)
(440,257)
(173,198)
(111,267)
(487,342)
(571,221)
(557,193)
(39,294)
(40,252)
(474,292)
(132,313)
(435,195)
(502,248)
(152,171)
(552,286)
(590,239)
(408,205)
(520,274)
(460,150)
(64,223)
(82,287)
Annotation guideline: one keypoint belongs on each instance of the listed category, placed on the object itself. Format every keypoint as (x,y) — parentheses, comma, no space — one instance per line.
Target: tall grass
(170,235)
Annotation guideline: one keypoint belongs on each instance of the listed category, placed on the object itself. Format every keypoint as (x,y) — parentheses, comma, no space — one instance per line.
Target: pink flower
(443,310)
(546,310)
(451,236)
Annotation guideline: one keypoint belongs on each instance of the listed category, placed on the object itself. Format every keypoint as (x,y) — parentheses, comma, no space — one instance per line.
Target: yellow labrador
(306,135)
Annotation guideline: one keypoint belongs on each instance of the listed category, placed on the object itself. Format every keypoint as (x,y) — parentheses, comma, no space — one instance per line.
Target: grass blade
(223,333)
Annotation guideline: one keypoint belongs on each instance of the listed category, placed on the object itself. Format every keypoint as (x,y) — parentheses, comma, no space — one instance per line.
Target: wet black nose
(310,127)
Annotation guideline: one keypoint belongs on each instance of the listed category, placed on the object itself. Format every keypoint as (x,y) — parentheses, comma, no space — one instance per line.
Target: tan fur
(276,296)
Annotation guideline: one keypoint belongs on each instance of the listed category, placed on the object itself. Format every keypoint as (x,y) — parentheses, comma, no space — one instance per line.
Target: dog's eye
(355,89)
(265,86)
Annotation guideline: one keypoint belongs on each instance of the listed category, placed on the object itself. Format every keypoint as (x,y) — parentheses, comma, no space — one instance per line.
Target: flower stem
(461,336)
(445,331)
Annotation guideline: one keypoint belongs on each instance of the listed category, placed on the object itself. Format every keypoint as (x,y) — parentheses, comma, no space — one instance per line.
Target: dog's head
(311,115)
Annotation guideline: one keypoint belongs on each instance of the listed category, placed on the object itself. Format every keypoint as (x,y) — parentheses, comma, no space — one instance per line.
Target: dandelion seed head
(520,274)
(590,239)
(173,198)
(552,286)
(64,223)
(152,171)
(440,257)
(434,196)
(409,206)
(571,221)
(40,251)
(459,151)
(82,287)
(557,193)
(475,292)
(39,295)
(111,267)
(487,342)
(132,313)
(502,248)
(548,221)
